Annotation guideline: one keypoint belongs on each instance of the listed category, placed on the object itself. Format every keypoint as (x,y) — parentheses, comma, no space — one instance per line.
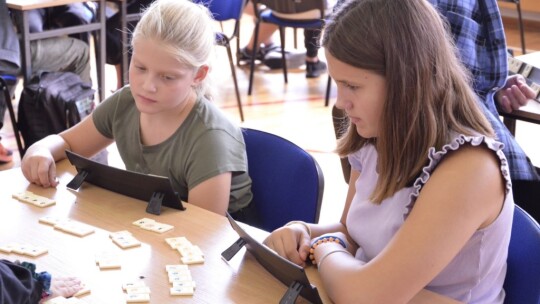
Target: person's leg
(6,155)
(266,32)
(36,20)
(62,54)
(114,53)
(314,67)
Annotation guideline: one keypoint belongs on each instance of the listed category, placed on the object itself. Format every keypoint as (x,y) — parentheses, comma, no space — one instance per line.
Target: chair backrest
(293,7)
(522,283)
(224,10)
(287,182)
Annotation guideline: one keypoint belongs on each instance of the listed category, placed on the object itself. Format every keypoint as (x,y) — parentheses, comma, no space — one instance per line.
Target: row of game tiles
(190,254)
(178,275)
(139,292)
(77,228)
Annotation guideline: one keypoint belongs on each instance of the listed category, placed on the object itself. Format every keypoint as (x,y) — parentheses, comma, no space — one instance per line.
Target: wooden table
(20,9)
(242,280)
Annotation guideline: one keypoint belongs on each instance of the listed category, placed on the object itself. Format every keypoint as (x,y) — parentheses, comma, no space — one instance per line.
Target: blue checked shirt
(478,33)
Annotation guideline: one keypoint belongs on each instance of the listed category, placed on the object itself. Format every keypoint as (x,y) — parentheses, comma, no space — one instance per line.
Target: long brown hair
(429,92)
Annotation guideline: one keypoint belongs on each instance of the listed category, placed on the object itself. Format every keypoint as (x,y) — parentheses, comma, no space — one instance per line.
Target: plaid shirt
(479,36)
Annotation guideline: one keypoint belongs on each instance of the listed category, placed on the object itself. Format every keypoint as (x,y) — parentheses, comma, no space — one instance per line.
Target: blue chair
(283,7)
(224,10)
(8,81)
(522,284)
(287,182)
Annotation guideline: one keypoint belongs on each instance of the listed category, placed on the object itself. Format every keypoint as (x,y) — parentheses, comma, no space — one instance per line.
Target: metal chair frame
(283,7)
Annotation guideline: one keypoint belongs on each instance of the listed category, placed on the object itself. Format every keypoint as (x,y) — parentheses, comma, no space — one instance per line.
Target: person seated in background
(20,283)
(163,122)
(479,35)
(114,36)
(270,54)
(58,54)
(429,207)
(73,14)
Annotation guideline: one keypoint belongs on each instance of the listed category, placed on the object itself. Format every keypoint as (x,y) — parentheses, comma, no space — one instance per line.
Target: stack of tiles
(191,254)
(136,292)
(124,239)
(181,280)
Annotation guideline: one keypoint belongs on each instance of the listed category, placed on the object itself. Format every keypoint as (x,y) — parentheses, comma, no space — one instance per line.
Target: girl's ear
(200,75)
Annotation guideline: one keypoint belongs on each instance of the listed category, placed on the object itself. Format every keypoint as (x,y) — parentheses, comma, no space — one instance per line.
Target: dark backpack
(52,102)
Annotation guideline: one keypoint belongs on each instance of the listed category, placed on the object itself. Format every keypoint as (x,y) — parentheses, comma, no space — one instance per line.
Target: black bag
(51,103)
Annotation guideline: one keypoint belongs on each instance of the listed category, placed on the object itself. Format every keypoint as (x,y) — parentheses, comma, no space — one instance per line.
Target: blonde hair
(428,89)
(186,31)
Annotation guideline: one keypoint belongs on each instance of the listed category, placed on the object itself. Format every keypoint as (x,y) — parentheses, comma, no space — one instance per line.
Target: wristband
(303,224)
(329,253)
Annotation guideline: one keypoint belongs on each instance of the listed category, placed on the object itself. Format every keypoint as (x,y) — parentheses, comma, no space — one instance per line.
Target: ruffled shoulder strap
(436,156)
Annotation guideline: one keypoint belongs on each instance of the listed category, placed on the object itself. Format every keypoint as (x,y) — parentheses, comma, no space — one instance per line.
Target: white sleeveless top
(476,274)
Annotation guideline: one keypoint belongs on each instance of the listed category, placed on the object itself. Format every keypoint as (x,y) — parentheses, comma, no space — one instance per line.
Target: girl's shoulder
(467,152)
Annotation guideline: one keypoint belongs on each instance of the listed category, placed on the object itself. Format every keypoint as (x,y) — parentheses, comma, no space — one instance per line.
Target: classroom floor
(296,111)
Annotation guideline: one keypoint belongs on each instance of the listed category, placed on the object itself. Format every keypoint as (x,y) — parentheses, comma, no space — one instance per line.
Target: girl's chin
(364,132)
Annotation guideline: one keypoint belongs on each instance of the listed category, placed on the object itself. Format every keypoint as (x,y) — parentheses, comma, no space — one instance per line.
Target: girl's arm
(465,193)
(213,194)
(38,163)
(293,241)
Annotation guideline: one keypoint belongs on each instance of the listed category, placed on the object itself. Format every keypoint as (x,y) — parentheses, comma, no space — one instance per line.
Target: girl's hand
(291,242)
(63,287)
(38,166)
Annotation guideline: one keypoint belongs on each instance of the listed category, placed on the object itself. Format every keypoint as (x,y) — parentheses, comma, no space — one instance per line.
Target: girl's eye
(349,86)
(140,68)
(167,77)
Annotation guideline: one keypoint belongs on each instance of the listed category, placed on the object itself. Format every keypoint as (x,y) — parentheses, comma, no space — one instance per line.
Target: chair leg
(253,54)
(521,29)
(328,89)
(233,70)
(510,124)
(295,38)
(283,58)
(12,117)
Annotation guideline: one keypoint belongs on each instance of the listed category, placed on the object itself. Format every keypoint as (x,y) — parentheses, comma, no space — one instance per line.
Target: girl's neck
(157,128)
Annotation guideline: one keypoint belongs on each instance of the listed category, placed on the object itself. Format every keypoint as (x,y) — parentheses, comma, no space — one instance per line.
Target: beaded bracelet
(324,239)
(301,223)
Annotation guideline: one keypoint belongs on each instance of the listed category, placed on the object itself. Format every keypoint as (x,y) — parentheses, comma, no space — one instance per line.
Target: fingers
(43,173)
(40,170)
(286,243)
(65,286)
(525,89)
(504,104)
(514,97)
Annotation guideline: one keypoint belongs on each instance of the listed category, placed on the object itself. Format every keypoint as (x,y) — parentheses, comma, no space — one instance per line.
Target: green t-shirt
(205,145)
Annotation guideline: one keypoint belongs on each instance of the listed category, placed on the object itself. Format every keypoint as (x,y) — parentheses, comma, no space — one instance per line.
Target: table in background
(20,9)
(531,111)
(242,280)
